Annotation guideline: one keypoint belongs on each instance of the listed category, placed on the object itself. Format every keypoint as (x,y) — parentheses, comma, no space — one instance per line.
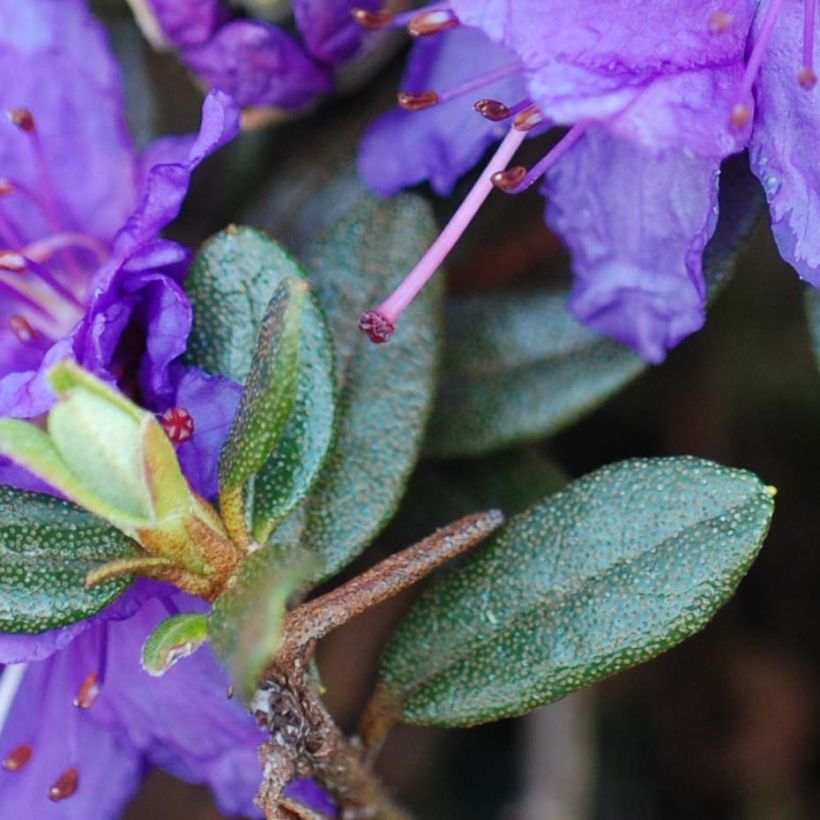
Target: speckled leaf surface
(623,564)
(384,392)
(245,624)
(47,546)
(231,281)
(517,366)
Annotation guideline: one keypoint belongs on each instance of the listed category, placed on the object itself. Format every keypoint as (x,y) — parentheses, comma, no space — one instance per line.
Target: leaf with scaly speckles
(47,546)
(623,564)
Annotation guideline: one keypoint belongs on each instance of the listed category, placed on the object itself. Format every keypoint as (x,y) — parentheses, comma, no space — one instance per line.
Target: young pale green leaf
(230,284)
(47,547)
(517,366)
(175,638)
(617,568)
(246,621)
(267,402)
(385,391)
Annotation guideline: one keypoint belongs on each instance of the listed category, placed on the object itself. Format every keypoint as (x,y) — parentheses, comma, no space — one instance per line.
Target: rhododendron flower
(655,97)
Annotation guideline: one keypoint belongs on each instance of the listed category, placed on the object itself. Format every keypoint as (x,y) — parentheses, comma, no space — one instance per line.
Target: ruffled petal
(636,224)
(328,28)
(87,175)
(439,144)
(187,22)
(783,149)
(258,64)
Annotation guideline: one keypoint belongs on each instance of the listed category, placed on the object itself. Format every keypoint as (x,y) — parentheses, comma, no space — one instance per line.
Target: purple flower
(654,99)
(255,61)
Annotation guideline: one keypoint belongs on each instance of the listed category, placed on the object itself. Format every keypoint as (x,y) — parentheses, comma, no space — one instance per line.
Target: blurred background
(724,726)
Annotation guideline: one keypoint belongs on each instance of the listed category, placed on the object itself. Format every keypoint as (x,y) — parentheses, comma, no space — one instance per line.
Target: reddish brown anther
(22,118)
(65,785)
(741,116)
(417,102)
(807,78)
(12,262)
(492,110)
(20,755)
(22,329)
(527,119)
(6,187)
(89,692)
(178,423)
(377,326)
(431,22)
(719,21)
(509,179)
(373,20)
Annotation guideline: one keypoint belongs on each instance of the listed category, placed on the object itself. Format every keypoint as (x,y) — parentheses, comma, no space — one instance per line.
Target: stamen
(65,785)
(516,180)
(720,21)
(22,329)
(432,21)
(178,423)
(6,187)
(44,249)
(380,323)
(807,76)
(742,110)
(12,262)
(19,756)
(372,20)
(417,102)
(527,119)
(89,692)
(22,118)
(55,284)
(492,110)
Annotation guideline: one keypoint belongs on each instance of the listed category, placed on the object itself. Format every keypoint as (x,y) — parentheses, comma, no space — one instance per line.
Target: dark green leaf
(384,391)
(175,638)
(517,367)
(232,279)
(619,567)
(47,546)
(270,389)
(245,624)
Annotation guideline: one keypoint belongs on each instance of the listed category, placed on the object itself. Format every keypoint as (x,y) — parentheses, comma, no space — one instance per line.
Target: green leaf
(623,564)
(385,391)
(245,624)
(230,283)
(517,367)
(175,638)
(47,546)
(267,401)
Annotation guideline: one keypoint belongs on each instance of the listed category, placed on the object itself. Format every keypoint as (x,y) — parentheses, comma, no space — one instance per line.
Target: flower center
(43,282)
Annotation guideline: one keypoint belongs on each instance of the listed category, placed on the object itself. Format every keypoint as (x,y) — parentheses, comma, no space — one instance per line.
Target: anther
(12,262)
(17,759)
(510,178)
(807,78)
(377,326)
(65,785)
(527,119)
(22,329)
(492,110)
(373,20)
(22,118)
(720,21)
(6,187)
(417,102)
(741,115)
(89,692)
(431,22)
(178,423)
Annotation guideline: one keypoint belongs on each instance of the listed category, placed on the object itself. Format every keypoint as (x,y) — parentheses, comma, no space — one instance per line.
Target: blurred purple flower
(654,101)
(255,61)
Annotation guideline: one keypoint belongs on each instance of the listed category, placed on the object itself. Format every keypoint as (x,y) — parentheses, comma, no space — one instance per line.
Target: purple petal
(62,737)
(183,721)
(187,22)
(88,171)
(441,143)
(166,185)
(258,64)
(328,28)
(212,402)
(636,225)
(312,796)
(784,147)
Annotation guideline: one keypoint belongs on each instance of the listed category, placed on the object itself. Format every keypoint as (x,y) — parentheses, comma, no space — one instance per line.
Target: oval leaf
(617,568)
(174,639)
(232,279)
(47,547)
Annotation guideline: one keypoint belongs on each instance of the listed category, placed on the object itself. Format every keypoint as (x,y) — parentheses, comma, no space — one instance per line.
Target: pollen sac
(431,22)
(22,118)
(741,116)
(6,187)
(377,326)
(720,21)
(492,110)
(527,119)
(22,329)
(417,102)
(373,20)
(88,692)
(807,78)
(18,757)
(509,179)
(64,786)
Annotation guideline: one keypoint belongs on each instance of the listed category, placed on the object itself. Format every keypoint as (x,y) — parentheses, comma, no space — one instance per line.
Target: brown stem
(316,618)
